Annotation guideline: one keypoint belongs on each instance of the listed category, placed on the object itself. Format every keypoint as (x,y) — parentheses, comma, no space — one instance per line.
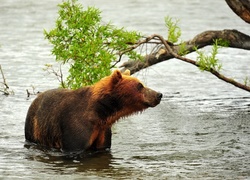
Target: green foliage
(174,31)
(89,46)
(222,43)
(211,62)
(183,49)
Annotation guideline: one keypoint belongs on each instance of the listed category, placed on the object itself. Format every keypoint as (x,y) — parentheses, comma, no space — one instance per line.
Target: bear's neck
(120,114)
(108,106)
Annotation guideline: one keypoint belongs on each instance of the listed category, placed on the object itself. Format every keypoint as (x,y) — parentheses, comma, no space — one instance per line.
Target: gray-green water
(201,129)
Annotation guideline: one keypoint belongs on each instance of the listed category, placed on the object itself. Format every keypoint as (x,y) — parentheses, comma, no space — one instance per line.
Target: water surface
(201,129)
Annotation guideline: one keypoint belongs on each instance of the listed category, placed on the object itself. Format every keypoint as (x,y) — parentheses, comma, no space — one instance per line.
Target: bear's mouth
(152,104)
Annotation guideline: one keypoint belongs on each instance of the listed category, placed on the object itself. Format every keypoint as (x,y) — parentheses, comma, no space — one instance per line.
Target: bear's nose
(159,96)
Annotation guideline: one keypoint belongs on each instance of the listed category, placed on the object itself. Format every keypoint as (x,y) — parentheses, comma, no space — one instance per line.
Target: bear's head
(133,92)
(121,95)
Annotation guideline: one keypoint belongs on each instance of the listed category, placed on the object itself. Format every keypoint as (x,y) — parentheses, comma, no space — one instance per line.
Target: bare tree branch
(59,74)
(4,80)
(5,89)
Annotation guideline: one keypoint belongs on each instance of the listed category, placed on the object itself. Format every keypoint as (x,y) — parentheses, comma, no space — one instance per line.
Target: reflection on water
(201,129)
(80,162)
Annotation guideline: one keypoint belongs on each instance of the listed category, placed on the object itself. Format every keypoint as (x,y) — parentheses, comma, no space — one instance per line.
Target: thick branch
(235,38)
(172,51)
(241,8)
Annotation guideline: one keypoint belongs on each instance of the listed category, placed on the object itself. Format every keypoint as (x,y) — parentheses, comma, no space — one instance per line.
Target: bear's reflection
(78,162)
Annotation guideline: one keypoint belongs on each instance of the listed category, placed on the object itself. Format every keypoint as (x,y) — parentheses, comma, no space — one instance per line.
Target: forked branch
(235,38)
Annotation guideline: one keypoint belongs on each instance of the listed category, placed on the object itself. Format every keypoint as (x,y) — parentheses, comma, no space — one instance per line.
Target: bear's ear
(127,72)
(116,76)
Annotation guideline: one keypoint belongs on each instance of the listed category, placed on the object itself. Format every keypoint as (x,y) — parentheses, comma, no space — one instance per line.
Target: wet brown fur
(76,120)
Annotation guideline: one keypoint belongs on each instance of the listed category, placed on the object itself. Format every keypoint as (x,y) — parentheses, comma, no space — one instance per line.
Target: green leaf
(82,40)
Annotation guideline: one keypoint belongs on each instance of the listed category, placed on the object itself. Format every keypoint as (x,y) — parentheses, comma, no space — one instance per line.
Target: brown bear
(80,120)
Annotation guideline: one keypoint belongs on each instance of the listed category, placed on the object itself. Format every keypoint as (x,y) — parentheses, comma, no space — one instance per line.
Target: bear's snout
(152,98)
(159,96)
(157,99)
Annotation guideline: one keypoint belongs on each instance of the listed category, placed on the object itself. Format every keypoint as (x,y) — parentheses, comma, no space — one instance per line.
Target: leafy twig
(211,70)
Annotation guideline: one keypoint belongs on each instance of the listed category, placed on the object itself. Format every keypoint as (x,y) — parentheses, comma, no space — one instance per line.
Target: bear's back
(50,111)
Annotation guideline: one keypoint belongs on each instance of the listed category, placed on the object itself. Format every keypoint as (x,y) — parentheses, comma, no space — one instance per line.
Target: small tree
(89,46)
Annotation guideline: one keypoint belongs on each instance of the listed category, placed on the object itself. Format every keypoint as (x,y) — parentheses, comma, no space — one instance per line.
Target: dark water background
(201,130)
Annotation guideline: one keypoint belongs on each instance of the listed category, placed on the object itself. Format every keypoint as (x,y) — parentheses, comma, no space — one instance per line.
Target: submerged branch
(5,89)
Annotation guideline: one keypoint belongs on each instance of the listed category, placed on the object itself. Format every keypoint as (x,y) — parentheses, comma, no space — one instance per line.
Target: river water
(201,129)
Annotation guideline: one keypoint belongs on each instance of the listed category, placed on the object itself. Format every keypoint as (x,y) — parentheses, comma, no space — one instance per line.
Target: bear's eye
(140,86)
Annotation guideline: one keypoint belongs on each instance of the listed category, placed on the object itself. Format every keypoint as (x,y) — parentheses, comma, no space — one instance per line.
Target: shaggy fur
(78,120)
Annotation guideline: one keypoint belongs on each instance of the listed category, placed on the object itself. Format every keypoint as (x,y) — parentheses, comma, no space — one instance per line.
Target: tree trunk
(241,8)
